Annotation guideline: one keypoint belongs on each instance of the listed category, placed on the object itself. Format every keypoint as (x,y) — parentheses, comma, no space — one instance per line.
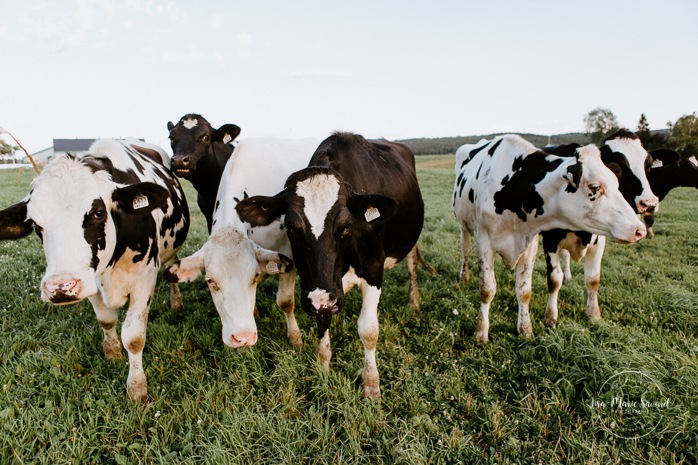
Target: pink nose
(243,338)
(649,205)
(63,291)
(640,233)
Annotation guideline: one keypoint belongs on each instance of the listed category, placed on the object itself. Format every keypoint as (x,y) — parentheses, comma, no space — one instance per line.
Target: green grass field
(446,398)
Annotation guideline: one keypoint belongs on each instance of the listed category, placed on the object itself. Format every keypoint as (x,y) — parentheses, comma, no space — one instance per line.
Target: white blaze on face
(319,298)
(190,123)
(320,194)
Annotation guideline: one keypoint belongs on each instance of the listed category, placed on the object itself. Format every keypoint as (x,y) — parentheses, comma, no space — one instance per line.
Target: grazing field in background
(446,398)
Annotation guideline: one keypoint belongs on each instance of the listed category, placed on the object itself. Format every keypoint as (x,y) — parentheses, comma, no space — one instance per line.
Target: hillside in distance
(441,145)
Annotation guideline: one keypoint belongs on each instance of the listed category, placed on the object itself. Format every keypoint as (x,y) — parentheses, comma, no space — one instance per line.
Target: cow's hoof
(550,321)
(112,349)
(138,392)
(372,392)
(296,340)
(526,331)
(483,337)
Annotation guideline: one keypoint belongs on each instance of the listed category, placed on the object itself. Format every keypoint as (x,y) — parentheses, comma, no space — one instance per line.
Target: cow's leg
(488,287)
(324,349)
(649,222)
(107,318)
(524,278)
(565,261)
(412,260)
(592,277)
(465,253)
(175,298)
(133,332)
(555,280)
(368,332)
(285,301)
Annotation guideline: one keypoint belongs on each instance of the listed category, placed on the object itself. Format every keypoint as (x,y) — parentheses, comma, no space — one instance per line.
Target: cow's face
(626,156)
(324,221)
(71,208)
(234,265)
(192,140)
(591,200)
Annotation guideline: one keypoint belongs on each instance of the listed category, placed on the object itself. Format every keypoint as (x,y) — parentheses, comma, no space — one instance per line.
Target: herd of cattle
(336,212)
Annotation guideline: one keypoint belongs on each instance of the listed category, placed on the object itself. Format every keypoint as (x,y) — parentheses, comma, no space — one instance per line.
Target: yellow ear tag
(140,201)
(272,267)
(371,214)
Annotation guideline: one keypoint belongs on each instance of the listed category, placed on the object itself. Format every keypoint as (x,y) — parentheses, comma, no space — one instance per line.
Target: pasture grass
(446,398)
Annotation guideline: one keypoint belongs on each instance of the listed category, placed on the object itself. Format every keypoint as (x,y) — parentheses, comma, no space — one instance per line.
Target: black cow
(199,154)
(355,210)
(667,172)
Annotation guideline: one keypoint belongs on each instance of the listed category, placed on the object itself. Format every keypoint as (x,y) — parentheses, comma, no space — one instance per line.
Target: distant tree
(6,149)
(684,135)
(643,128)
(600,123)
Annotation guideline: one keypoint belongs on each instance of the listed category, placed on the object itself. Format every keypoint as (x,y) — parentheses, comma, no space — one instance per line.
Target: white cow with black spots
(107,220)
(507,192)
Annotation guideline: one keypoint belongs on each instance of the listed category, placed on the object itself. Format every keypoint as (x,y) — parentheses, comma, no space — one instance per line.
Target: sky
(380,68)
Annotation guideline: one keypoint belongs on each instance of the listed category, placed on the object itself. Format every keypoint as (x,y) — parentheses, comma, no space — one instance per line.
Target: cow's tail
(423,262)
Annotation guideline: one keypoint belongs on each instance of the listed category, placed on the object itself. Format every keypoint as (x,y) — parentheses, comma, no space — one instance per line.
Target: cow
(355,210)
(507,191)
(199,154)
(107,220)
(623,153)
(236,257)
(668,171)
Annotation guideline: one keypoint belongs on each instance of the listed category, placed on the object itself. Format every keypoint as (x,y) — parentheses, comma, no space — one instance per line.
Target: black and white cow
(236,256)
(199,154)
(506,192)
(668,171)
(623,153)
(355,210)
(107,221)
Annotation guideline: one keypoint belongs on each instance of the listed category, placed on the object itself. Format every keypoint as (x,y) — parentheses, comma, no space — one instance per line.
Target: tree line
(681,135)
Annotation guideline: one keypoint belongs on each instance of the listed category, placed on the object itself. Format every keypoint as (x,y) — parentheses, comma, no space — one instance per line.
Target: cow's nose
(62,291)
(243,338)
(640,233)
(648,205)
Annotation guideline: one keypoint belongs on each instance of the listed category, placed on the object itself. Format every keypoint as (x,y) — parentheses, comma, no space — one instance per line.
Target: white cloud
(216,23)
(316,73)
(244,42)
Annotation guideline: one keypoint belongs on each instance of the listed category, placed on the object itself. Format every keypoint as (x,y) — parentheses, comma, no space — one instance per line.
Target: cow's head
(193,141)
(624,154)
(591,201)
(325,221)
(73,207)
(234,265)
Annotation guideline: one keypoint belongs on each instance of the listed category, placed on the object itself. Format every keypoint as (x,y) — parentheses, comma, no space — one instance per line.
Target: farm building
(61,147)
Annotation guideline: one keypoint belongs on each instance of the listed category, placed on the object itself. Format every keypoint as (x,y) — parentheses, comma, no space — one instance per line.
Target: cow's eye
(98,214)
(596,189)
(212,284)
(205,138)
(346,232)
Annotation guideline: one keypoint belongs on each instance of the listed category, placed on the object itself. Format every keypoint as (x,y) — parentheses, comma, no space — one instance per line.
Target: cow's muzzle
(62,292)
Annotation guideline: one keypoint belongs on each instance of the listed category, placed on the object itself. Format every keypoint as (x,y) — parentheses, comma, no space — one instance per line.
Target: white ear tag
(371,214)
(272,267)
(140,201)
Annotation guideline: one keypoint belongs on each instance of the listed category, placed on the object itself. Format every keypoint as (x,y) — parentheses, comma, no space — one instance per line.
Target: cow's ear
(273,262)
(14,223)
(374,209)
(261,210)
(140,199)
(187,269)
(226,133)
(616,169)
(170,125)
